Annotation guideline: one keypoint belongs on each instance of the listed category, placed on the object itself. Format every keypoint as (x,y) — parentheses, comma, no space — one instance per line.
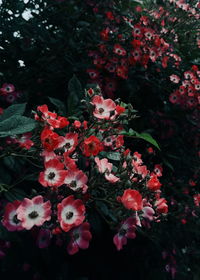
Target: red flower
(131,199)
(34,212)
(153,184)
(161,206)
(10,220)
(92,146)
(70,213)
(80,238)
(119,50)
(54,174)
(49,139)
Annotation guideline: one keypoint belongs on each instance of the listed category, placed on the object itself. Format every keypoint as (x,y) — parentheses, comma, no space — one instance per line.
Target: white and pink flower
(33,212)
(71,213)
(126,230)
(54,174)
(103,107)
(10,220)
(80,238)
(106,167)
(76,180)
(68,143)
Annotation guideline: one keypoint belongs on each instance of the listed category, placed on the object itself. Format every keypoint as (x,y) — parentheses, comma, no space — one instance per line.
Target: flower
(54,174)
(43,238)
(126,230)
(49,139)
(131,199)
(105,167)
(153,183)
(76,180)
(161,206)
(103,107)
(33,212)
(92,146)
(119,50)
(67,143)
(70,213)
(10,220)
(7,88)
(80,238)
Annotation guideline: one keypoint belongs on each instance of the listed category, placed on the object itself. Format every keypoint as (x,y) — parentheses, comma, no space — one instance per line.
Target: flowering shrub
(86,165)
(188,93)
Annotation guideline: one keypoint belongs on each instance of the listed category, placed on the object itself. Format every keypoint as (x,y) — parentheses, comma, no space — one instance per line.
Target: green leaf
(75,95)
(111,155)
(147,137)
(13,110)
(59,105)
(16,125)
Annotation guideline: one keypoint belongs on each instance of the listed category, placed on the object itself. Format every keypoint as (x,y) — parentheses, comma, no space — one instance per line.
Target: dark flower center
(15,220)
(122,231)
(73,184)
(51,175)
(33,215)
(69,215)
(76,236)
(67,145)
(101,110)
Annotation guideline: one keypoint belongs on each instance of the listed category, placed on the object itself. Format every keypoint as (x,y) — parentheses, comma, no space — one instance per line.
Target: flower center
(122,231)
(51,175)
(33,215)
(67,146)
(73,184)
(101,110)
(69,215)
(15,220)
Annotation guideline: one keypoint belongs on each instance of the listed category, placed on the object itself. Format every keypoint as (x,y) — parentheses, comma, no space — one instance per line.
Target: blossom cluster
(86,165)
(127,42)
(8,93)
(188,93)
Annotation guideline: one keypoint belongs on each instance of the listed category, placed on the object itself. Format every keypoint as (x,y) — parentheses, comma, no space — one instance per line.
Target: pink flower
(54,174)
(71,213)
(103,107)
(148,213)
(126,230)
(7,88)
(80,238)
(174,78)
(44,238)
(67,143)
(105,167)
(33,212)
(131,199)
(10,220)
(76,180)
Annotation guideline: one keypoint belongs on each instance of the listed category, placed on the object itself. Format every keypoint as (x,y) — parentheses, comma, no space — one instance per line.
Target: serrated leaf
(13,110)
(16,125)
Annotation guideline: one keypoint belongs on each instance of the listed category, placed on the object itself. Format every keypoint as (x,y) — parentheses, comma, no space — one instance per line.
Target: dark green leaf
(16,125)
(13,110)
